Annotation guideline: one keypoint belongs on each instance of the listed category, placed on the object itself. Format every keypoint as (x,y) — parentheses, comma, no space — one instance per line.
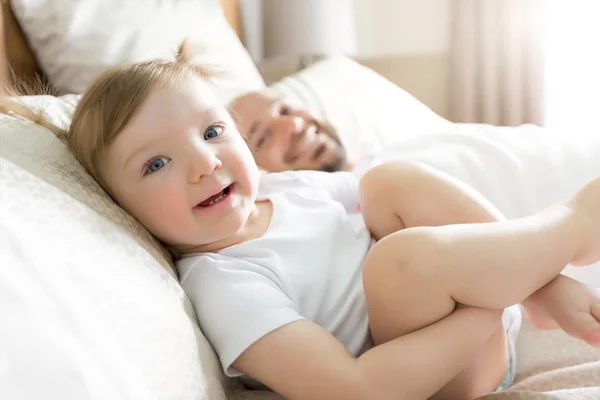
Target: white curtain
(496,61)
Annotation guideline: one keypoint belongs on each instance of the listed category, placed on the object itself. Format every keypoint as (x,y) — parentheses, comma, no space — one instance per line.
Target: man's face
(282,138)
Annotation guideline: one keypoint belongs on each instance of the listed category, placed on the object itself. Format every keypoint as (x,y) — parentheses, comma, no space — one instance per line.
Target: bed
(137,336)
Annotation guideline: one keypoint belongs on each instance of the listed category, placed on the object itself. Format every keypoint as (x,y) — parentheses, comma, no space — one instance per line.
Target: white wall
(387,27)
(407,41)
(384,27)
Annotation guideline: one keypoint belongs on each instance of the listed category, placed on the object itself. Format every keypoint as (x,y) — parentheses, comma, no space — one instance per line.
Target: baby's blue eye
(156,164)
(213,132)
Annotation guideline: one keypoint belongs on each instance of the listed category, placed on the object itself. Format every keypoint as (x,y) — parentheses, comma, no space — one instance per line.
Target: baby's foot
(567,304)
(586,207)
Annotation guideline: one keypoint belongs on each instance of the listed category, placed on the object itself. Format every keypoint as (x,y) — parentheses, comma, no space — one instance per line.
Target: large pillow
(91,306)
(368,111)
(75,40)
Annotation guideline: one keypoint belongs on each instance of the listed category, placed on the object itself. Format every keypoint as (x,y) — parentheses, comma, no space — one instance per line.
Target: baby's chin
(203,244)
(200,238)
(191,247)
(182,243)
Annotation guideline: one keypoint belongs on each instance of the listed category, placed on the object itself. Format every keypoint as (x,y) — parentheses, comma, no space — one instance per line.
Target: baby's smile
(216,198)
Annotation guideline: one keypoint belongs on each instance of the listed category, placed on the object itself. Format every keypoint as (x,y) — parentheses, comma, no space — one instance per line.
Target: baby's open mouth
(215,198)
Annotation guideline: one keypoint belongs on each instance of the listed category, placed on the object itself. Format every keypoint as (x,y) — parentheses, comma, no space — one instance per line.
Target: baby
(297,289)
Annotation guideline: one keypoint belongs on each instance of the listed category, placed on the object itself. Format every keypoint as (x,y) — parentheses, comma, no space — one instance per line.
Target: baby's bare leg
(434,199)
(402,195)
(482,259)
(429,198)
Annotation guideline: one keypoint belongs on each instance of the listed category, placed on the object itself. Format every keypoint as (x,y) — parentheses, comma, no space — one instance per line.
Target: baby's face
(182,169)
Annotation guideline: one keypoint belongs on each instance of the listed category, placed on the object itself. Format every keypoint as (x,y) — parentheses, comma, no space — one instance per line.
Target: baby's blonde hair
(111,101)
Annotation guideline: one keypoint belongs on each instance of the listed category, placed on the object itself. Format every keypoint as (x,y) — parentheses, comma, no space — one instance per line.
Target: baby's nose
(203,162)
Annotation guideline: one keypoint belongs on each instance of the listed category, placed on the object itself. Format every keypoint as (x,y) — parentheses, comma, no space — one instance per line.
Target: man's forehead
(262,96)
(265,99)
(251,106)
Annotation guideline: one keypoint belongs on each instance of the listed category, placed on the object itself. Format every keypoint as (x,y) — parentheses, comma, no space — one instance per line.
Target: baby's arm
(302,361)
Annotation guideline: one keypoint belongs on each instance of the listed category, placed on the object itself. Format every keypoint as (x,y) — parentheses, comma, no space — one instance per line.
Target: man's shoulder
(286,180)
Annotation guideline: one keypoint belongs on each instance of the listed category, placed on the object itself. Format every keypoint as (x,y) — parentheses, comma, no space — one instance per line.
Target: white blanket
(521,170)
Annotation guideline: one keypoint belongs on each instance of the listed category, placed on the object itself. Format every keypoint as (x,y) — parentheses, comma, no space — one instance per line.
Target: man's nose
(203,162)
(287,125)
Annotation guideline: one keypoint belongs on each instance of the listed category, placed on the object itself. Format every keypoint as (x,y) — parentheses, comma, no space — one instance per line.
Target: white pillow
(368,111)
(75,40)
(91,306)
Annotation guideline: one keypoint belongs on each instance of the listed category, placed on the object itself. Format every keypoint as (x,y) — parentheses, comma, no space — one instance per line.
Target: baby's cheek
(170,200)
(241,163)
(167,206)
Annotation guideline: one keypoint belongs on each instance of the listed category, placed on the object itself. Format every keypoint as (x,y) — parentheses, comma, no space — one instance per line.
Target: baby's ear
(195,54)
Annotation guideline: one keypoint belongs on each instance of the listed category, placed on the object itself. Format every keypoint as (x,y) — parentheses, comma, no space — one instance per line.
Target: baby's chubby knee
(387,182)
(394,171)
(414,252)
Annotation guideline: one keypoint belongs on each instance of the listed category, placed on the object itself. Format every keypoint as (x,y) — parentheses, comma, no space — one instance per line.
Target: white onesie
(307,265)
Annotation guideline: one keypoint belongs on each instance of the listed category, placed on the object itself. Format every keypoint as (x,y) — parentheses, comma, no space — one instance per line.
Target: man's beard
(321,128)
(341,158)
(338,166)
